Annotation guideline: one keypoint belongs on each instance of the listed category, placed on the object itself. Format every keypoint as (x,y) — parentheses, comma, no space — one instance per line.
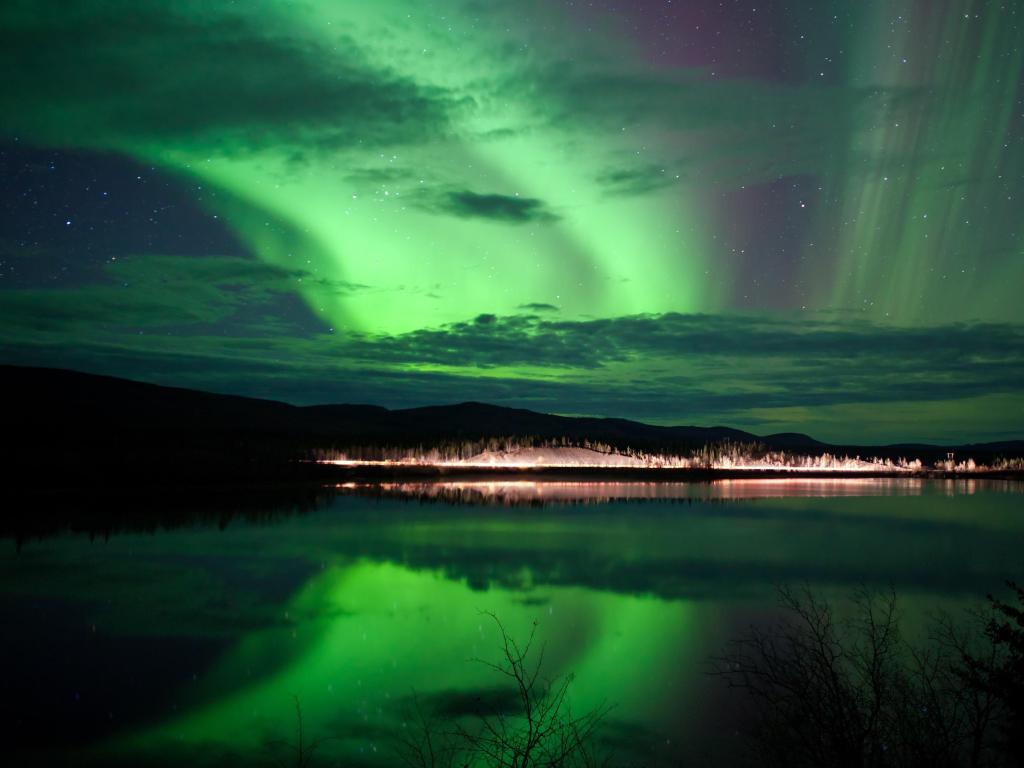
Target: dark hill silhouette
(71,427)
(69,401)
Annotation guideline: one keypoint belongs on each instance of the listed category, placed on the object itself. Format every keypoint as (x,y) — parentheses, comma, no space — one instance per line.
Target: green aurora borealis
(770,216)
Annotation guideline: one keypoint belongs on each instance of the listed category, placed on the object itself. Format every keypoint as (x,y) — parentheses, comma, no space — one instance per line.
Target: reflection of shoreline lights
(542,492)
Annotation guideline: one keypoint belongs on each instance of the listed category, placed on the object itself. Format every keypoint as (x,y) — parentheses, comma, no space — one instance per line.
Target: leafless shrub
(300,752)
(540,731)
(828,692)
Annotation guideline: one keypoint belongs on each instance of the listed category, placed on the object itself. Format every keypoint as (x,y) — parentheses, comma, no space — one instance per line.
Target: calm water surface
(186,643)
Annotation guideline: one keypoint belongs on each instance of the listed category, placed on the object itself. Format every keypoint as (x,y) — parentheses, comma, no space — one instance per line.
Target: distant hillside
(84,428)
(70,402)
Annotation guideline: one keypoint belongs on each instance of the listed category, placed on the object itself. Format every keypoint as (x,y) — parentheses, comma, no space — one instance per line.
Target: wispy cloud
(150,73)
(463,203)
(538,306)
(688,368)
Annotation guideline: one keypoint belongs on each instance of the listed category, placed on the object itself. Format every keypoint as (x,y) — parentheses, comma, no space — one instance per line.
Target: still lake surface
(167,637)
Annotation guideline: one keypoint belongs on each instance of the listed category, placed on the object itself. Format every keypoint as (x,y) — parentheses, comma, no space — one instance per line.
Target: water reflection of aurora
(364,637)
(353,606)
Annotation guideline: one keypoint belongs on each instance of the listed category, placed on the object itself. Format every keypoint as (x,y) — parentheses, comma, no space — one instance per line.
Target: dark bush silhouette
(823,691)
(1001,673)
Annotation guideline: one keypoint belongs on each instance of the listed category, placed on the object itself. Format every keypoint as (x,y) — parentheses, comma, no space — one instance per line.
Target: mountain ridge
(91,425)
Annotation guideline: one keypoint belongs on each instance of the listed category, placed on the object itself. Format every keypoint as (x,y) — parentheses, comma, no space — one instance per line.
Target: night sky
(772,215)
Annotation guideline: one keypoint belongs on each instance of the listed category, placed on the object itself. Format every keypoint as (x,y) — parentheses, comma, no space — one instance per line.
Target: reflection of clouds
(707,541)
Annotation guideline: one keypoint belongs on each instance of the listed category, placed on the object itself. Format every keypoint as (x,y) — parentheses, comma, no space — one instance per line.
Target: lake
(172,632)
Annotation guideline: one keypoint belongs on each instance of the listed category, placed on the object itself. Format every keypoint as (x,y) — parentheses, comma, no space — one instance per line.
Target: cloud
(807,341)
(685,368)
(509,209)
(117,72)
(379,176)
(636,181)
(744,394)
(460,703)
(161,292)
(717,128)
(691,100)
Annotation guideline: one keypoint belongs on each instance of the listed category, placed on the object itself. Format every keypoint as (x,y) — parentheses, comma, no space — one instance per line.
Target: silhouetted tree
(540,731)
(1000,674)
(853,693)
(300,752)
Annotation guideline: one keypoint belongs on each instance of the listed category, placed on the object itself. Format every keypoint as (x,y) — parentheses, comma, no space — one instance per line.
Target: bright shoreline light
(860,466)
(734,458)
